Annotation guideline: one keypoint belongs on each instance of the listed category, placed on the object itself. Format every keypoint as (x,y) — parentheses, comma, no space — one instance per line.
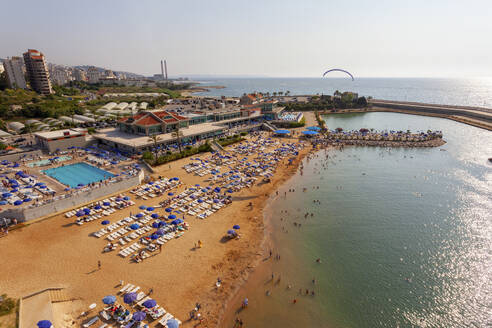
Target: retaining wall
(26,214)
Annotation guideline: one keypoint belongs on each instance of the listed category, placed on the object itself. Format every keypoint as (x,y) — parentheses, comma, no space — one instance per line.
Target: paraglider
(338,70)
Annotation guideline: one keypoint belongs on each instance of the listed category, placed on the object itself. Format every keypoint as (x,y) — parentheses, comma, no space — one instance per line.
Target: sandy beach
(57,253)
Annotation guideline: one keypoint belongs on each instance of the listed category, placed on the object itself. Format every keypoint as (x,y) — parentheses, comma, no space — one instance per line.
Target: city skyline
(274,39)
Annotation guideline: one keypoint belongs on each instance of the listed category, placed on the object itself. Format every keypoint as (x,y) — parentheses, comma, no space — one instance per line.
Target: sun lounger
(124,289)
(91,322)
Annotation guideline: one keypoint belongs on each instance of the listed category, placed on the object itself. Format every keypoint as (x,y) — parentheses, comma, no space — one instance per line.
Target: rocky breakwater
(365,137)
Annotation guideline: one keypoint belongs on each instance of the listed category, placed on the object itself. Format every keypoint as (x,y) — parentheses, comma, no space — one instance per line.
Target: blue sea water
(448,91)
(404,235)
(79,173)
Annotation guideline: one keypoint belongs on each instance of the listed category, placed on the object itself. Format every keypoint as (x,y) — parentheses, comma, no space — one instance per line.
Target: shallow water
(404,235)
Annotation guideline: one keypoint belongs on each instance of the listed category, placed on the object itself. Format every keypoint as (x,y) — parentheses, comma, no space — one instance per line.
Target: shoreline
(229,312)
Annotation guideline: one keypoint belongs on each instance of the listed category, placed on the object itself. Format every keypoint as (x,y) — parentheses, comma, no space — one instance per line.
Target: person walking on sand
(99,265)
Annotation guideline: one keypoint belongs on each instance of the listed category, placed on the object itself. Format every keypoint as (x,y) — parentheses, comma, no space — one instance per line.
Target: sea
(448,91)
(403,235)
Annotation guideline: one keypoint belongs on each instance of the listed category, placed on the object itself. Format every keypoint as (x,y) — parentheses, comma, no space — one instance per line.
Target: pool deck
(54,184)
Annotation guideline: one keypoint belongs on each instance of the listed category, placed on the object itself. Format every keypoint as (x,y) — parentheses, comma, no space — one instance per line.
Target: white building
(79,74)
(14,68)
(93,75)
(60,76)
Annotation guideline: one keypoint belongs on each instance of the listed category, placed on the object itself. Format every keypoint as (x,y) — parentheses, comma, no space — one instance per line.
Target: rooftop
(60,133)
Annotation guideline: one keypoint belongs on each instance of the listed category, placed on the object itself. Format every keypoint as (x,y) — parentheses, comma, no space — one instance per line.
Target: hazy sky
(285,38)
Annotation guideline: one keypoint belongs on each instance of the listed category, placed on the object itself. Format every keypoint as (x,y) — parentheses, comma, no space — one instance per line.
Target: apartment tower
(37,72)
(15,73)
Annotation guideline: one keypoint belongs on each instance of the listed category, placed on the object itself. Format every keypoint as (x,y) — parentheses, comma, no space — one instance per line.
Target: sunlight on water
(405,235)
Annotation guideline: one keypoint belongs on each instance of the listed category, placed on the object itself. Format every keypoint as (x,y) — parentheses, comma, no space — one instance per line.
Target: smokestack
(162,71)
(165,68)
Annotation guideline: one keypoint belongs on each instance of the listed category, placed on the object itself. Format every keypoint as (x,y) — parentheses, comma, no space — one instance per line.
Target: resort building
(152,122)
(79,74)
(61,139)
(14,69)
(37,72)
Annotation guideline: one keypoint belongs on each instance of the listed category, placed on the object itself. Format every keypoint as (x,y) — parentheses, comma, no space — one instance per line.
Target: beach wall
(27,214)
(15,157)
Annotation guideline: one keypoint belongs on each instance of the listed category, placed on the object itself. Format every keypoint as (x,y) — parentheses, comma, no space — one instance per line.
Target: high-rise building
(37,72)
(60,76)
(15,73)
(79,75)
(93,75)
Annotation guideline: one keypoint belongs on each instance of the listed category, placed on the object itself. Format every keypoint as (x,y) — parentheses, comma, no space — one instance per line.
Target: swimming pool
(76,174)
(44,162)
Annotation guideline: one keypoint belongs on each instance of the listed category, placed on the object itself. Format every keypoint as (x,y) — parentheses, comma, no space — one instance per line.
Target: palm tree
(287,92)
(178,134)
(280,93)
(155,139)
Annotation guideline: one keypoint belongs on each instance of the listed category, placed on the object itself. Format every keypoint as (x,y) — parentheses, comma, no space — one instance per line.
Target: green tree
(28,128)
(178,134)
(154,138)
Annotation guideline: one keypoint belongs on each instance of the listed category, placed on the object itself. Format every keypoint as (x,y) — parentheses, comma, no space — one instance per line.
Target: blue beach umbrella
(130,298)
(160,232)
(126,198)
(27,200)
(18,202)
(134,226)
(149,304)
(110,299)
(172,323)
(97,207)
(171,217)
(150,209)
(44,324)
(231,232)
(162,224)
(139,316)
(309,133)
(154,236)
(314,128)
(236,227)
(106,203)
(168,210)
(142,207)
(105,222)
(67,189)
(170,193)
(155,215)
(139,215)
(3,202)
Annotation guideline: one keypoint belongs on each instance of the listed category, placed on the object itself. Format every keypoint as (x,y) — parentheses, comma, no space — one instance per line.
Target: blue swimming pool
(79,173)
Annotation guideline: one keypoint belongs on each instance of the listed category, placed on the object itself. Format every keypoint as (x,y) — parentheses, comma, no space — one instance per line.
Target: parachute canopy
(338,70)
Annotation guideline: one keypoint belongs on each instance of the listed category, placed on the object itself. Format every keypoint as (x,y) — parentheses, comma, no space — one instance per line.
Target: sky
(271,38)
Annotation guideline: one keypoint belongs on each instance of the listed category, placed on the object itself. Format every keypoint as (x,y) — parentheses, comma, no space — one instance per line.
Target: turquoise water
(78,173)
(404,235)
(47,161)
(451,91)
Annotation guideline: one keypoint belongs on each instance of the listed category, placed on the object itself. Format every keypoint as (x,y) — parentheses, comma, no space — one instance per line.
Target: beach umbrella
(126,198)
(105,222)
(168,210)
(67,189)
(236,227)
(139,215)
(217,189)
(3,202)
(231,232)
(197,185)
(171,217)
(176,179)
(154,236)
(18,202)
(44,324)
(97,207)
(155,225)
(155,215)
(230,191)
(134,226)
(160,232)
(172,323)
(27,200)
(200,200)
(139,316)
(6,195)
(216,201)
(142,207)
(314,128)
(150,209)
(80,213)
(170,193)
(106,203)
(162,224)
(130,298)
(110,299)
(149,304)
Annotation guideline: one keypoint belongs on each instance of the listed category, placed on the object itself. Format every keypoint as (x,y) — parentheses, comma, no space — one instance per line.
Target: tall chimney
(162,71)
(165,68)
